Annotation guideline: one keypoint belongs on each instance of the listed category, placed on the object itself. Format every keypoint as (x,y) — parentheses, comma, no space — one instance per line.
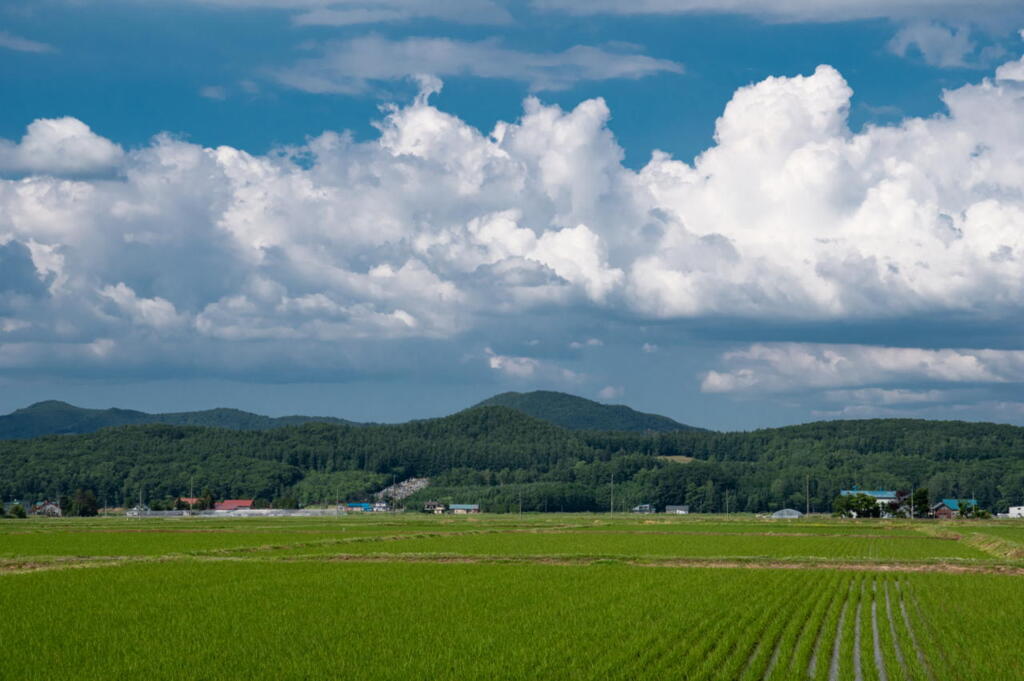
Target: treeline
(505,460)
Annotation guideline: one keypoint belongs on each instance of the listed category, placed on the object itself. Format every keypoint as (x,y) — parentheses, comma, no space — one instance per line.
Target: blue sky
(831,225)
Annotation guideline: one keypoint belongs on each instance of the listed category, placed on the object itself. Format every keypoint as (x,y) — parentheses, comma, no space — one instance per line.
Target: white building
(1016,512)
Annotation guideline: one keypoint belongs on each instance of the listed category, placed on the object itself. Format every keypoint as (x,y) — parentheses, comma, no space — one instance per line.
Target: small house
(137,511)
(233,505)
(951,508)
(357,507)
(677,510)
(48,509)
(463,509)
(380,507)
(435,507)
(643,508)
(1016,512)
(191,501)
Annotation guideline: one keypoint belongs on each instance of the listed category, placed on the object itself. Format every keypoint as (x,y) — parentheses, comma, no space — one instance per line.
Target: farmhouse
(137,511)
(677,510)
(462,509)
(191,501)
(643,508)
(47,508)
(950,508)
(233,505)
(1016,512)
(435,507)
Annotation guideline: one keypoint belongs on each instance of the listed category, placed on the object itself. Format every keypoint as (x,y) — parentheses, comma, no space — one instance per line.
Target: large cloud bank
(982,11)
(213,258)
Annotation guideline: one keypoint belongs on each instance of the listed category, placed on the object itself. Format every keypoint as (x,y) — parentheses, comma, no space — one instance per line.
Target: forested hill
(496,455)
(577,413)
(568,411)
(53,417)
(165,460)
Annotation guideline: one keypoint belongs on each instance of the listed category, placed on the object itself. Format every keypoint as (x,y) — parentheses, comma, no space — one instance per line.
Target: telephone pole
(611,504)
(807,493)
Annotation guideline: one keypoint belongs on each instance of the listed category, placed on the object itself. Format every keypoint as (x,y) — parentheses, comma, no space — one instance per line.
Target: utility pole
(611,504)
(191,491)
(520,502)
(807,493)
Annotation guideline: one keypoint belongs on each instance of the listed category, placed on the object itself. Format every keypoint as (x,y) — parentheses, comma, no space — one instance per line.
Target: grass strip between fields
(16,566)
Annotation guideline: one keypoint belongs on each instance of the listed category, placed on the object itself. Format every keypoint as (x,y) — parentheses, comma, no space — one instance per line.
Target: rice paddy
(506,597)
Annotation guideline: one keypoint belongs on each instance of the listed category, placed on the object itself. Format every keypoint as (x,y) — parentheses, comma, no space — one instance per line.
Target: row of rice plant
(970,624)
(195,619)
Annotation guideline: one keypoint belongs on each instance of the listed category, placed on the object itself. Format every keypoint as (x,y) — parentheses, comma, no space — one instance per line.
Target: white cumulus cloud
(938,45)
(59,146)
(217,92)
(781,367)
(19,44)
(352,12)
(435,229)
(799,10)
(530,369)
(348,66)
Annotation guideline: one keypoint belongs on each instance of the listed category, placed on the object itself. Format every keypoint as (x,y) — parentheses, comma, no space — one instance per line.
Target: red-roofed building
(233,505)
(191,501)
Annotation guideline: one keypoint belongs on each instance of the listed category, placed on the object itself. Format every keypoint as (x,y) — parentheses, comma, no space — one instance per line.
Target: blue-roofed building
(888,499)
(952,508)
(358,507)
(880,495)
(462,509)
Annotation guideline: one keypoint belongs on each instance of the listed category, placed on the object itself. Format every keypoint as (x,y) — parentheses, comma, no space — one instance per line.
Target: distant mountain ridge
(578,413)
(60,418)
(505,460)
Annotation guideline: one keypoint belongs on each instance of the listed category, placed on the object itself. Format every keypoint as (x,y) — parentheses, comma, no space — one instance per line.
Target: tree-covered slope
(59,418)
(165,459)
(568,411)
(498,456)
(578,413)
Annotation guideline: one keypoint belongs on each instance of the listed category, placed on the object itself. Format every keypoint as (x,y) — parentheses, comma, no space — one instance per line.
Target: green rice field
(507,597)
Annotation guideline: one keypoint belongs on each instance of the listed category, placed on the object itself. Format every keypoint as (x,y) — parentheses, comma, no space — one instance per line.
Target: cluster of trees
(15,511)
(82,503)
(505,460)
(863,505)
